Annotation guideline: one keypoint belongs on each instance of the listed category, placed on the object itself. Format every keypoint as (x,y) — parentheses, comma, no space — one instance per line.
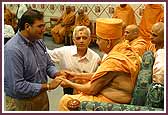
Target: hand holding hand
(55,82)
(65,82)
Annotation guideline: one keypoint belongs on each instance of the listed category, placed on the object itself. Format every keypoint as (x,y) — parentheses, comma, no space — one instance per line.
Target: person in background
(77,58)
(137,42)
(115,78)
(10,18)
(63,25)
(27,65)
(8,29)
(22,8)
(126,13)
(157,37)
(152,14)
(82,19)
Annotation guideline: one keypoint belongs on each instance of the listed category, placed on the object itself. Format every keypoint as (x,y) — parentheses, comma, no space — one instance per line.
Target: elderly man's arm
(92,88)
(74,76)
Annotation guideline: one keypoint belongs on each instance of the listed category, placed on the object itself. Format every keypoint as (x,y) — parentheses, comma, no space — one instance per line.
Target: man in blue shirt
(27,65)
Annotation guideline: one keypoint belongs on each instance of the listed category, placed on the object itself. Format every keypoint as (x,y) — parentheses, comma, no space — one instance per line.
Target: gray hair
(81,28)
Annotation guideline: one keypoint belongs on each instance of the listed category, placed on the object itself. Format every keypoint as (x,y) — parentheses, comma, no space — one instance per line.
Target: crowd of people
(83,74)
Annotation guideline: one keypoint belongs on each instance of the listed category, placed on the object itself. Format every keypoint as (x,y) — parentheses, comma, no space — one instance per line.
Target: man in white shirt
(157,38)
(77,58)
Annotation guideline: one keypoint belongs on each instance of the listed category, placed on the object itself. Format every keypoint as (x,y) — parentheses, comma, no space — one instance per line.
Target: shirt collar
(24,39)
(86,56)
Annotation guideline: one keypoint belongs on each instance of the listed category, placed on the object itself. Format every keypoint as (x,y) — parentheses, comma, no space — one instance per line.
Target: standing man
(27,65)
(126,13)
(77,58)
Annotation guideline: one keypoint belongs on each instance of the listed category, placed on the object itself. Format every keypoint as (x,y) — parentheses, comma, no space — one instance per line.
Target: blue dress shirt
(26,67)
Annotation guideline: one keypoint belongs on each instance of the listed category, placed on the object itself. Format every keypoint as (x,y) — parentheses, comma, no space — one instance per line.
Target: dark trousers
(68,91)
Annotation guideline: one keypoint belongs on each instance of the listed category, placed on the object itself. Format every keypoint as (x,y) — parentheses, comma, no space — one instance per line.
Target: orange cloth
(109,28)
(140,45)
(59,31)
(126,14)
(152,14)
(121,59)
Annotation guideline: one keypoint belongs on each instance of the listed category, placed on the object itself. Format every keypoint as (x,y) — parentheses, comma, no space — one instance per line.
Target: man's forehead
(82,33)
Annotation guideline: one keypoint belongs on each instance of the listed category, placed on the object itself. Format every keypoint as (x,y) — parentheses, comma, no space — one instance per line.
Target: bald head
(131,32)
(157,34)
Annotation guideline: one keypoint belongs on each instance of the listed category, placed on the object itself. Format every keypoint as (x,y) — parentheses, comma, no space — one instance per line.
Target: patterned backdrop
(92,10)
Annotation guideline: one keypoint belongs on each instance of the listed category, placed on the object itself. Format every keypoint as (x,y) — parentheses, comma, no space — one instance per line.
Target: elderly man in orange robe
(64,24)
(82,19)
(116,76)
(138,44)
(126,13)
(152,13)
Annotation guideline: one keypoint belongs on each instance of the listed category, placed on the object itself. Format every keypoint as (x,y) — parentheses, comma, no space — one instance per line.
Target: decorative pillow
(144,79)
(102,106)
(155,96)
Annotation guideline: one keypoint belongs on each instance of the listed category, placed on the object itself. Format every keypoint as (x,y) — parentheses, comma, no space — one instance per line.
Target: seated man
(116,76)
(82,19)
(64,24)
(157,37)
(77,58)
(138,44)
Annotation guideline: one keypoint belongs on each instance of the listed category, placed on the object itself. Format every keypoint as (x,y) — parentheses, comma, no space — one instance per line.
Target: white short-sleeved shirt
(8,31)
(67,58)
(158,67)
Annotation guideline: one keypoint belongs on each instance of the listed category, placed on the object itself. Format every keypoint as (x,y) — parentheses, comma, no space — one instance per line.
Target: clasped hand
(56,81)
